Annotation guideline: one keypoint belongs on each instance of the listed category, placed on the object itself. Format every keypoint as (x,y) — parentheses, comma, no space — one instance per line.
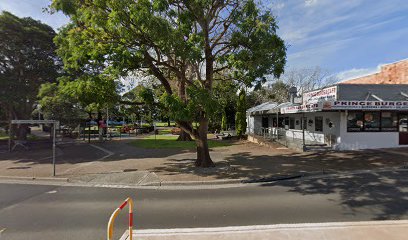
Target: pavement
(45,212)
(373,230)
(120,163)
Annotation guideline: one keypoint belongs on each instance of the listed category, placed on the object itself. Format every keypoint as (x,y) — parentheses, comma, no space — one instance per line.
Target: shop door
(403,128)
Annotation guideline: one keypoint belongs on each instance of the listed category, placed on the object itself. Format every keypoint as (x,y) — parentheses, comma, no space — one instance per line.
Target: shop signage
(365,105)
(302,108)
(325,94)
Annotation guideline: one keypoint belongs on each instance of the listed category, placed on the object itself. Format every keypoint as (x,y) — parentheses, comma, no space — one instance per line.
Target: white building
(342,117)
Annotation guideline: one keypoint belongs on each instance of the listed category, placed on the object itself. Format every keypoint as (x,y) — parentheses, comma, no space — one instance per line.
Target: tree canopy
(195,43)
(27,59)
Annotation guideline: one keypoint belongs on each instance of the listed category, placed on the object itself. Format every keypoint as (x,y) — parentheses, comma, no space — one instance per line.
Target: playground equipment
(115,214)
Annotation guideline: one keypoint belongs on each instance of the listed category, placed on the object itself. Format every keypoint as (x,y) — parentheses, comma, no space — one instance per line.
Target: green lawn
(163,141)
(164,124)
(3,135)
(164,131)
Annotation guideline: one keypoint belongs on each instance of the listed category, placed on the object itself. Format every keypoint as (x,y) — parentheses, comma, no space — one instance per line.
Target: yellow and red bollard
(114,215)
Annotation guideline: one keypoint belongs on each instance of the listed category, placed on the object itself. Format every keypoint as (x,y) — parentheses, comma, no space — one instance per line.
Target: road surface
(62,212)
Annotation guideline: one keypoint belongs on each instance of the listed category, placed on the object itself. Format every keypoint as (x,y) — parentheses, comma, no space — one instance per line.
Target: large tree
(27,59)
(192,42)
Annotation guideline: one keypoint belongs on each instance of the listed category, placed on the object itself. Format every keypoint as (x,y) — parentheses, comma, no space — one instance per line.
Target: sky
(347,38)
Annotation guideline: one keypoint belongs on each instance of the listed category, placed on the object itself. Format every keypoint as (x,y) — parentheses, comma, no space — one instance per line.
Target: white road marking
(80,165)
(52,192)
(109,153)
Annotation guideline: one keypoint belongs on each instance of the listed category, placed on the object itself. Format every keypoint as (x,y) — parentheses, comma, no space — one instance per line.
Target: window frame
(364,128)
(393,114)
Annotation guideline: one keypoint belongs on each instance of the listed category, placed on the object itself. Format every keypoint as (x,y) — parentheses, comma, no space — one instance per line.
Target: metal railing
(115,214)
(272,133)
(287,137)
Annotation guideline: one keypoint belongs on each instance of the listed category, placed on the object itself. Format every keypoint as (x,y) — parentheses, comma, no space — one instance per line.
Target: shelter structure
(55,125)
(340,117)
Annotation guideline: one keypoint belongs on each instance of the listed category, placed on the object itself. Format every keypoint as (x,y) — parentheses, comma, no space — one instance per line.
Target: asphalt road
(57,212)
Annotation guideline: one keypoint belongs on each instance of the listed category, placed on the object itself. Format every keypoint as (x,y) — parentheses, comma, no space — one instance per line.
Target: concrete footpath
(373,230)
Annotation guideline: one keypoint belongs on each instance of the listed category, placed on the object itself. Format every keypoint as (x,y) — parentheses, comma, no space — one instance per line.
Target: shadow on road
(384,194)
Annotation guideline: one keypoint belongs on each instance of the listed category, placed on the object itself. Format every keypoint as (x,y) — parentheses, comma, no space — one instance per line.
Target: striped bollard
(115,214)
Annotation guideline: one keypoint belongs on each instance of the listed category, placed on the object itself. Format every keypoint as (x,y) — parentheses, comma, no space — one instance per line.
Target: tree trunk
(203,153)
(184,136)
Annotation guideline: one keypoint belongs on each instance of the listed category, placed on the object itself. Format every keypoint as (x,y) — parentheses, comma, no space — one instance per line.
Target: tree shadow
(383,195)
(250,165)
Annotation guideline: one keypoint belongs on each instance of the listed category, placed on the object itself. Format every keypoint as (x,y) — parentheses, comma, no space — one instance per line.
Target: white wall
(254,123)
(310,133)
(250,124)
(365,140)
(341,139)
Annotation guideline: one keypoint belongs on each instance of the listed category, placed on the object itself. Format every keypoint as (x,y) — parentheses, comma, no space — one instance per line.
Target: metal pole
(303,131)
(10,135)
(89,132)
(277,125)
(107,118)
(53,151)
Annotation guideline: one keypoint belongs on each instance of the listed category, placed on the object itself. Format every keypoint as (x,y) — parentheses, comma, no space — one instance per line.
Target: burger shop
(340,117)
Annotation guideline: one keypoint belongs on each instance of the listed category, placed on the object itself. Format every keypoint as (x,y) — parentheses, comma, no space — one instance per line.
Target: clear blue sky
(345,37)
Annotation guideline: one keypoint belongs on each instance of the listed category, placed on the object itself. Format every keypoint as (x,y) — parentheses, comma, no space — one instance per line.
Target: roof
(345,92)
(372,92)
(269,107)
(262,107)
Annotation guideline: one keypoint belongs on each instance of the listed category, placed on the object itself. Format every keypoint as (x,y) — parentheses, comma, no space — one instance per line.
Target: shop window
(265,122)
(291,123)
(368,122)
(281,122)
(389,122)
(372,121)
(355,121)
(286,123)
(319,124)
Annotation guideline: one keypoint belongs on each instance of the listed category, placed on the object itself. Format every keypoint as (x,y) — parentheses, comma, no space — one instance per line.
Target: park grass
(3,135)
(164,131)
(170,142)
(164,124)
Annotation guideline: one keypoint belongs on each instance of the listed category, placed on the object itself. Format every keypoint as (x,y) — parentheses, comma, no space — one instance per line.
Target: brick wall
(394,73)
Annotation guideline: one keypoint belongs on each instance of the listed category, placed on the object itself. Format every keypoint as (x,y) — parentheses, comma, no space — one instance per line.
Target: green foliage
(122,35)
(58,106)
(27,59)
(225,93)
(200,101)
(240,121)
(276,92)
